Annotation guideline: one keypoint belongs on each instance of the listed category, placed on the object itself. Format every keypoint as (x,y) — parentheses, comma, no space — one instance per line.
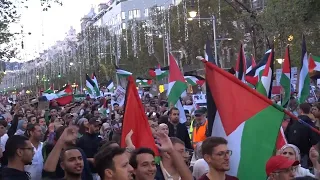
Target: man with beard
(34,132)
(90,141)
(66,138)
(19,151)
(177,129)
(216,153)
(71,163)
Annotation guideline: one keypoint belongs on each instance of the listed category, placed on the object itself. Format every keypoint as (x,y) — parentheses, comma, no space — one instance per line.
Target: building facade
(116,13)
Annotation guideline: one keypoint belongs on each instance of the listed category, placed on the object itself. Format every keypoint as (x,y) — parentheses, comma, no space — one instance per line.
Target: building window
(146,12)
(123,15)
(119,18)
(124,26)
(136,13)
(130,14)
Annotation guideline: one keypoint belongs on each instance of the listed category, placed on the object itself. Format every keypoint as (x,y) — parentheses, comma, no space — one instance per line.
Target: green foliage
(282,18)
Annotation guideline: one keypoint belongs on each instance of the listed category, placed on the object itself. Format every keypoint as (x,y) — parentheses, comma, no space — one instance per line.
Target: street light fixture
(193,14)
(71,64)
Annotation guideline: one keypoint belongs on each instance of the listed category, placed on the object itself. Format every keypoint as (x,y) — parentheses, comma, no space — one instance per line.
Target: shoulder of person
(231,178)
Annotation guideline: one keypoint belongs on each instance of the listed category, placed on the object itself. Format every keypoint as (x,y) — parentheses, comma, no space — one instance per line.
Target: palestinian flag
(241,65)
(96,87)
(314,63)
(159,73)
(251,123)
(136,120)
(92,87)
(254,75)
(64,100)
(89,85)
(110,85)
(211,106)
(195,80)
(177,85)
(265,84)
(122,73)
(251,63)
(304,79)
(285,79)
(50,90)
(143,81)
(104,108)
(66,90)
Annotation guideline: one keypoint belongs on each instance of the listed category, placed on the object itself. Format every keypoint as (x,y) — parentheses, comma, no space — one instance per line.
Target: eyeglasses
(224,153)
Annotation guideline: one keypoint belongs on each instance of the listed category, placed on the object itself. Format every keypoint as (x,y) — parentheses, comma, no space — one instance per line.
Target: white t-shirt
(3,142)
(200,168)
(35,169)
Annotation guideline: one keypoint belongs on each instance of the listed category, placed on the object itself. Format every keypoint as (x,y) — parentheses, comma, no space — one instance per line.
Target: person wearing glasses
(216,153)
(281,168)
(19,152)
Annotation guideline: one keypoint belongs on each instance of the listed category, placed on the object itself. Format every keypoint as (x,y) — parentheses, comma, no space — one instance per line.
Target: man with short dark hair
(3,136)
(90,141)
(19,151)
(71,162)
(113,164)
(177,129)
(301,135)
(216,153)
(34,132)
(144,165)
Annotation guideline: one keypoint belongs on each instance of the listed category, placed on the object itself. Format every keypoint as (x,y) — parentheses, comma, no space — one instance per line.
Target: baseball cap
(279,162)
(2,118)
(198,112)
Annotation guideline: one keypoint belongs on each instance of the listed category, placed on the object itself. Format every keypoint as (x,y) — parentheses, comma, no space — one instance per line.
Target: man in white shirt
(34,132)
(3,134)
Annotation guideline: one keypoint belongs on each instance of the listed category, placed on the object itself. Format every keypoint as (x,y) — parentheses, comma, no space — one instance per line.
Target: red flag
(64,100)
(136,120)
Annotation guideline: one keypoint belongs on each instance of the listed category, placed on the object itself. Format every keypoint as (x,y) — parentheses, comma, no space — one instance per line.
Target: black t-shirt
(59,173)
(14,174)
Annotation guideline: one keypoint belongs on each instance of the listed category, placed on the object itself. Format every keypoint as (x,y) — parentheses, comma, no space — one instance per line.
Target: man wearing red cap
(280,168)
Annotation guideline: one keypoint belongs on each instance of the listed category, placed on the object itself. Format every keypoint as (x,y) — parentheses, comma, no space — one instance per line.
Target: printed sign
(199,98)
(119,96)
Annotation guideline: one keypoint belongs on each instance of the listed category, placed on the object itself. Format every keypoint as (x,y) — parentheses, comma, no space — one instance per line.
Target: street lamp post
(193,15)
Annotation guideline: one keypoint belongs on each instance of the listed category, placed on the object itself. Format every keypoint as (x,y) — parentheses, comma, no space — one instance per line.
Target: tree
(9,14)
(281,19)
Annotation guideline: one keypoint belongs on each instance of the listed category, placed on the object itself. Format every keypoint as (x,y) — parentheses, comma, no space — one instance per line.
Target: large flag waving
(285,79)
(304,79)
(254,75)
(96,87)
(251,63)
(91,86)
(122,72)
(265,84)
(136,120)
(314,63)
(251,123)
(177,85)
(241,65)
(159,73)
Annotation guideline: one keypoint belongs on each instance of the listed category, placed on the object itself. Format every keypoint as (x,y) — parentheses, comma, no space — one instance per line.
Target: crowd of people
(77,141)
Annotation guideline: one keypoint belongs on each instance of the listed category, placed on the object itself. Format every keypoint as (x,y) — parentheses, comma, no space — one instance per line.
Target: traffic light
(59,75)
